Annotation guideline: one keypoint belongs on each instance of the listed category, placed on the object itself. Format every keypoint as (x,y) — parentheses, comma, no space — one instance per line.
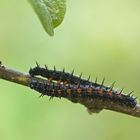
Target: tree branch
(93,105)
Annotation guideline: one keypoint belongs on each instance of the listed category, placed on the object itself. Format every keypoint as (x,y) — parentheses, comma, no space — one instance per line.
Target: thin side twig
(92,105)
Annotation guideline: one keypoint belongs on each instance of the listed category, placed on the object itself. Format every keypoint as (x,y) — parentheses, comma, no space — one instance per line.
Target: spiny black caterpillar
(63,76)
(63,84)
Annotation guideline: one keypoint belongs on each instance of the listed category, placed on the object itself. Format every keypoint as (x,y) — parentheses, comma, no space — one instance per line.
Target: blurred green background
(97,37)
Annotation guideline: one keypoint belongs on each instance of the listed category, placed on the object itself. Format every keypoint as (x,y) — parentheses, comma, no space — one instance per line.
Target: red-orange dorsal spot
(110,93)
(89,90)
(79,90)
(100,91)
(69,91)
(59,81)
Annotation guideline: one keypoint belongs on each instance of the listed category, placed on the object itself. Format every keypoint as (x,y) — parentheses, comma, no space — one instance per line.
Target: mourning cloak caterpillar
(67,85)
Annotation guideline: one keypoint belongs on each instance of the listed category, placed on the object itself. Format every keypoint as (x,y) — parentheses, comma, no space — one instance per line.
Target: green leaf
(50,12)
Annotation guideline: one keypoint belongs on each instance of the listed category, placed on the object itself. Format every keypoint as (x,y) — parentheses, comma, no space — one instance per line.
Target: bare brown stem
(92,105)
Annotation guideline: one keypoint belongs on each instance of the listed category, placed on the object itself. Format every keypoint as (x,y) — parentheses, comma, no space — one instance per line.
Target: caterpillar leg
(93,110)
